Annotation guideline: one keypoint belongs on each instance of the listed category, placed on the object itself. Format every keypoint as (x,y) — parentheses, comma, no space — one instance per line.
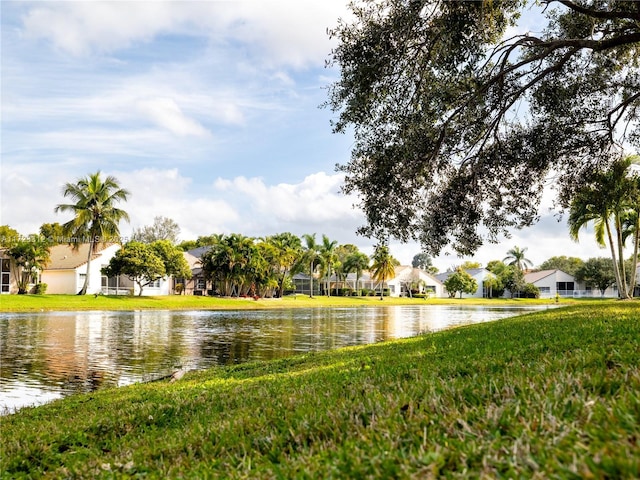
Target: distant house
(404,279)
(408,278)
(198,284)
(8,281)
(67,268)
(187,286)
(480,275)
(302,284)
(552,282)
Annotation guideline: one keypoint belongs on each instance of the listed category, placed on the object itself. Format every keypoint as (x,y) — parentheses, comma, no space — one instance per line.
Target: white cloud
(166,113)
(278,32)
(82,27)
(316,200)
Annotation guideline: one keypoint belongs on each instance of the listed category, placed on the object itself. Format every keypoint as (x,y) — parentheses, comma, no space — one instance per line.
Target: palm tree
(516,256)
(96,217)
(608,201)
(311,256)
(287,250)
(383,266)
(356,262)
(327,250)
(30,257)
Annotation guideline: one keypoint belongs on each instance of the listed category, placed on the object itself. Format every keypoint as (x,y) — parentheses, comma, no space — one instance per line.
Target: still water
(45,356)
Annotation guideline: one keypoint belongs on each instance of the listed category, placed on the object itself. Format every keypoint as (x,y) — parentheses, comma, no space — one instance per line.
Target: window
(154,284)
(5,279)
(564,286)
(545,290)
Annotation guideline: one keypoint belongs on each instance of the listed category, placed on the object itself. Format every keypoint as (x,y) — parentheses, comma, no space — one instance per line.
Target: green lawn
(553,394)
(37,303)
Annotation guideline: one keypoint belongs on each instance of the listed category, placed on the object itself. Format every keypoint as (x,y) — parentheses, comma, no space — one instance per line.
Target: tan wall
(60,281)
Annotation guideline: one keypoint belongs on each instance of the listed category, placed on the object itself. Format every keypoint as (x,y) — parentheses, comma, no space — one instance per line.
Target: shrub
(530,291)
(40,288)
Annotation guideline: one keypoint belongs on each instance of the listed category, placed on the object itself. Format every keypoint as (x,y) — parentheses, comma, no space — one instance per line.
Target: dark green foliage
(530,291)
(458,122)
(598,273)
(460,282)
(424,262)
(137,261)
(29,256)
(8,236)
(172,259)
(568,265)
(53,232)
(513,280)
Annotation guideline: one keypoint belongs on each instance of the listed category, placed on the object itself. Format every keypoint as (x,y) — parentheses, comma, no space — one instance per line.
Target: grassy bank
(554,394)
(37,303)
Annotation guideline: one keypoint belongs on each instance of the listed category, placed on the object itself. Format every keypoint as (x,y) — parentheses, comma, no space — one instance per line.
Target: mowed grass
(38,303)
(554,394)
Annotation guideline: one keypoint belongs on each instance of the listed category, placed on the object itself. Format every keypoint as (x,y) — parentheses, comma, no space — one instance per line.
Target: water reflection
(48,355)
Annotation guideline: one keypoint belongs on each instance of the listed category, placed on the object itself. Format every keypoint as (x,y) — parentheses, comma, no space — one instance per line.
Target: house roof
(471,271)
(198,251)
(64,257)
(192,260)
(534,277)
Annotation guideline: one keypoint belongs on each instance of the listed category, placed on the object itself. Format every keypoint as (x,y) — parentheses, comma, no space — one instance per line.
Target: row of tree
(240,265)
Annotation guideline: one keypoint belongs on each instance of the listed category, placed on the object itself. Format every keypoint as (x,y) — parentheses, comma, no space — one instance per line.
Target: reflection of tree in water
(228,341)
(91,382)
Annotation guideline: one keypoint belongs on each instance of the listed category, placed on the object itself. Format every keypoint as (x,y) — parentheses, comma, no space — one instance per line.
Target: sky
(208,112)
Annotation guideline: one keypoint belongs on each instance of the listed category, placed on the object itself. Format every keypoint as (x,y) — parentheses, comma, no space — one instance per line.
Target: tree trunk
(83,290)
(634,259)
(622,293)
(623,273)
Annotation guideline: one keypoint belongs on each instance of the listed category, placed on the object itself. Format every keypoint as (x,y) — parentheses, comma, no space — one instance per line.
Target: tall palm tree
(516,256)
(356,262)
(607,201)
(287,250)
(328,257)
(311,256)
(96,217)
(340,267)
(383,266)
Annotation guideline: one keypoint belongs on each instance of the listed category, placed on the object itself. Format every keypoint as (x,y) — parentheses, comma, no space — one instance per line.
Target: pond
(49,355)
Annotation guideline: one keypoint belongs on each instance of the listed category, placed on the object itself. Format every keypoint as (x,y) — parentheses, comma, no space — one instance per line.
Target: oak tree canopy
(460,116)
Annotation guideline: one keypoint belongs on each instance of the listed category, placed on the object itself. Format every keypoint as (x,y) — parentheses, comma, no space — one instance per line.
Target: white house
(555,281)
(407,278)
(67,268)
(552,282)
(479,274)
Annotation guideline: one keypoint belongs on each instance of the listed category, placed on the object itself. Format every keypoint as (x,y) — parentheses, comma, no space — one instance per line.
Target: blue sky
(208,112)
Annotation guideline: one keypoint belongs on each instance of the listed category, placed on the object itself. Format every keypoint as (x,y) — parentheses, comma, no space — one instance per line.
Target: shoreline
(43,303)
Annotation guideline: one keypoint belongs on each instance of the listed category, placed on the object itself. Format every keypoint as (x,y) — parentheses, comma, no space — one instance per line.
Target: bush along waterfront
(554,394)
